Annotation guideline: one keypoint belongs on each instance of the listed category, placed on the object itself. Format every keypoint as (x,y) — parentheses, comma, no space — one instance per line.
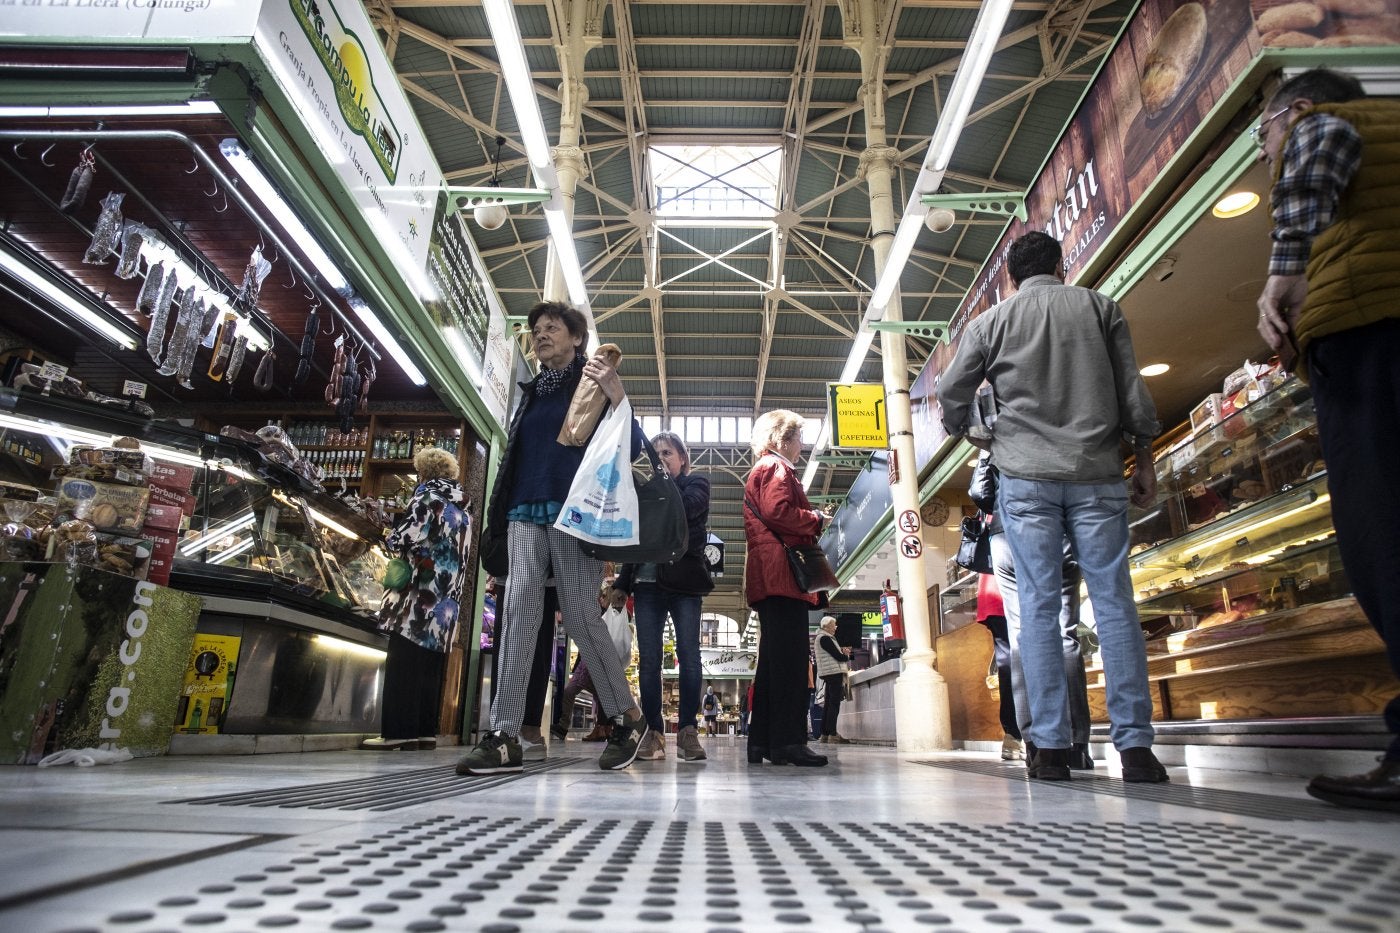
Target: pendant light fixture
(492,216)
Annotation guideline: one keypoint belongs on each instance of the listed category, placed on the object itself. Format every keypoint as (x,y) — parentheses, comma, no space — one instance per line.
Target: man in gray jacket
(1061,365)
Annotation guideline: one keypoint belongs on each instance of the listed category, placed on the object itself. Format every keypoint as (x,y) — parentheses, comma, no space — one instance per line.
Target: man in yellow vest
(1331,308)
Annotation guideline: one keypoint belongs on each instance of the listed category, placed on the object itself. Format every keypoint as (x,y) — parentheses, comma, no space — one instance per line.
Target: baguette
(586,407)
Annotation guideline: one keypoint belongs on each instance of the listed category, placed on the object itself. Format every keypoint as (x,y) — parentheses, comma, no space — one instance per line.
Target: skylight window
(714,181)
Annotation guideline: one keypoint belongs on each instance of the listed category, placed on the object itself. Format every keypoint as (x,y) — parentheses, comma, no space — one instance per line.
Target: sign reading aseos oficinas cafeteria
(856,413)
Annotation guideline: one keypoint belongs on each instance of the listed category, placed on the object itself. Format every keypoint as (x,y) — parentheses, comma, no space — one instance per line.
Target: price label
(134,389)
(51,371)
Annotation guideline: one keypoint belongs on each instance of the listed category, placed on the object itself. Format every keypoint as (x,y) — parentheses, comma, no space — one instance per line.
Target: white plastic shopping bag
(602,503)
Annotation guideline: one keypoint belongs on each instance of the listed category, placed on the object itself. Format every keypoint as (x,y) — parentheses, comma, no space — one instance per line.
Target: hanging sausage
(108,230)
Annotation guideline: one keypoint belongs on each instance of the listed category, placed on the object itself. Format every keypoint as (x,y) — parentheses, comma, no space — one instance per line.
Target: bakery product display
(1173,57)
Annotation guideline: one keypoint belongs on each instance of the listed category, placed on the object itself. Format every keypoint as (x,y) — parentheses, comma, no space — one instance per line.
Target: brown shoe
(600,733)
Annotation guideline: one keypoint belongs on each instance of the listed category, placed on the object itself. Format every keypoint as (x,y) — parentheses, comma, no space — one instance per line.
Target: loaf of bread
(586,407)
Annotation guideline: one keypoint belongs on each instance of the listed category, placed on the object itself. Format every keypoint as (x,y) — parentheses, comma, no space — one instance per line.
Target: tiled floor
(396,841)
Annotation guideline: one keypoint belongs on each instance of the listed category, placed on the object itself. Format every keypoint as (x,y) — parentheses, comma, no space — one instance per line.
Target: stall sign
(866,503)
(1174,63)
(856,413)
(326,59)
(129,19)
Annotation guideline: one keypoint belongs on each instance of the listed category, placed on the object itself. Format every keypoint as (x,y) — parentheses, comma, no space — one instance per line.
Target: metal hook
(220,210)
(15,150)
(210,194)
(332,330)
(43,156)
(293,270)
(193,168)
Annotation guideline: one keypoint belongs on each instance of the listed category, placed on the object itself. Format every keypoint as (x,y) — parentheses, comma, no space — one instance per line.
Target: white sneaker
(653,747)
(1011,748)
(533,751)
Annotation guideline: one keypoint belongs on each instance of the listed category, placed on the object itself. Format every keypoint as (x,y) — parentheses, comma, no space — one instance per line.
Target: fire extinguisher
(892,618)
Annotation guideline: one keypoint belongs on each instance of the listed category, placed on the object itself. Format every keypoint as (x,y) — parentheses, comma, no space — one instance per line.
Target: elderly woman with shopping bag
(533,483)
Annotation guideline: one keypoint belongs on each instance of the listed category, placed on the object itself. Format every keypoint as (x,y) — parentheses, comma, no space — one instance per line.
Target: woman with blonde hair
(419,612)
(777,513)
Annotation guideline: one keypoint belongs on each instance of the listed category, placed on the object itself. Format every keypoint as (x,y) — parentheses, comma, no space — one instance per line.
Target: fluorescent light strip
(505,33)
(381,333)
(221,532)
(237,157)
(510,50)
(977,54)
(568,259)
(191,108)
(231,553)
(45,428)
(332,524)
(991,18)
(349,647)
(1237,533)
(63,299)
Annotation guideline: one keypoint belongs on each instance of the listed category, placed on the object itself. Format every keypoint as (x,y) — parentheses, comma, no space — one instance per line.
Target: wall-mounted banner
(866,503)
(325,56)
(128,19)
(1174,62)
(856,413)
(464,310)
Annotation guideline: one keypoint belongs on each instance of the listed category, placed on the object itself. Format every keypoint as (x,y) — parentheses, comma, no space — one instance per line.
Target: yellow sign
(857,415)
(208,681)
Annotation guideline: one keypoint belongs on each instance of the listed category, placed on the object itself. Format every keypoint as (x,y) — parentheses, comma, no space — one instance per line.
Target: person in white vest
(832,666)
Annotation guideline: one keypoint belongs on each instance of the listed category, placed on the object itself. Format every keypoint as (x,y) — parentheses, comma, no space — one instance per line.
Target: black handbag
(663,534)
(688,575)
(495,556)
(982,490)
(810,568)
(975,549)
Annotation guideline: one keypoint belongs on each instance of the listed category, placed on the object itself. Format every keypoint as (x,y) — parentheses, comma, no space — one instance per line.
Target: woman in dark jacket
(531,485)
(777,722)
(420,617)
(677,589)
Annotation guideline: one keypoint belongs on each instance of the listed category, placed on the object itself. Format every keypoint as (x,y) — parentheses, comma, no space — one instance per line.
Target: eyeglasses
(1257,134)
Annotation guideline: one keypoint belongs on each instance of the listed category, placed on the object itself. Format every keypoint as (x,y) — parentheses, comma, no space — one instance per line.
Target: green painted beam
(929,330)
(1001,203)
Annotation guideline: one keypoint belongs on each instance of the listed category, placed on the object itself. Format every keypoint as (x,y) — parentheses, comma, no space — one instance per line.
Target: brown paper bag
(588,403)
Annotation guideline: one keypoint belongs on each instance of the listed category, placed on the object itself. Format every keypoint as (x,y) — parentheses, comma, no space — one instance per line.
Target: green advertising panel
(88,659)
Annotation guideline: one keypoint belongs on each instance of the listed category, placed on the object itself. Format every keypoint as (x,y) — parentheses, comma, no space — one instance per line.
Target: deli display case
(287,574)
(1239,585)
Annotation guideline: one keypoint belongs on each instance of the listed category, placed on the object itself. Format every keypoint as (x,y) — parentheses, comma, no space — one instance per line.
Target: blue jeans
(651,604)
(1037,515)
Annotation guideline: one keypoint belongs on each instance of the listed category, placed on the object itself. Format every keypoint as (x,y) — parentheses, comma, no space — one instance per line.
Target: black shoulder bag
(663,534)
(810,567)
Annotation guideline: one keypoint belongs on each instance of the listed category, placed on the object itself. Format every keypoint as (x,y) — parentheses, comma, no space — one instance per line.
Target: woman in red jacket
(777,513)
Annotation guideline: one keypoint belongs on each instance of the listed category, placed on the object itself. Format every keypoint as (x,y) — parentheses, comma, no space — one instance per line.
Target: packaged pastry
(124,555)
(108,506)
(586,408)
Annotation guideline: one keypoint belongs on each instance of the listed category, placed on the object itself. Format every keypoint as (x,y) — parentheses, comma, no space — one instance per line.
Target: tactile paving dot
(491,874)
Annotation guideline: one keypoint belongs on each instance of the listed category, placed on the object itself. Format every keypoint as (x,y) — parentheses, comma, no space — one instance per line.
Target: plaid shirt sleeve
(1319,160)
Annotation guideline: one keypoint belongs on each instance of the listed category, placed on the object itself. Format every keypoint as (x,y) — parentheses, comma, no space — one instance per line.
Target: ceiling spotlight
(492,216)
(940,220)
(1235,203)
(1154,369)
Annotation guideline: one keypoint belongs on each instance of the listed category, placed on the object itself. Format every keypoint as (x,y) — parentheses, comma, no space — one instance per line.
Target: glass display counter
(1241,527)
(287,575)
